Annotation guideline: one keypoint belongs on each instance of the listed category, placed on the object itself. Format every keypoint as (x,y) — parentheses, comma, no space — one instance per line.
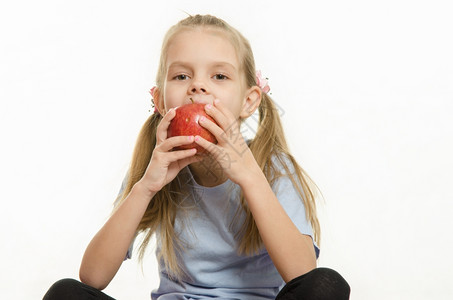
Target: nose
(198,87)
(198,90)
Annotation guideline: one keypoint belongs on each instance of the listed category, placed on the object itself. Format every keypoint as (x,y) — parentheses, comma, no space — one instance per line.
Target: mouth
(200,99)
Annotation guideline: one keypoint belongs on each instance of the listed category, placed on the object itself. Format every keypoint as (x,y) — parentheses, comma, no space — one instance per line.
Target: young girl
(236,221)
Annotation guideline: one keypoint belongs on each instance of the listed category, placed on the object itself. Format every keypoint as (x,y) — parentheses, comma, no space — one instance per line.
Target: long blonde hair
(269,142)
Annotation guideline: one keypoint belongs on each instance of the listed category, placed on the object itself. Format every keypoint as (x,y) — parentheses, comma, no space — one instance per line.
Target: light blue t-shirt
(210,260)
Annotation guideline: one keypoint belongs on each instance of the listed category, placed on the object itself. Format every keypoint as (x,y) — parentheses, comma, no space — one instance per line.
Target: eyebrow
(177,64)
(222,64)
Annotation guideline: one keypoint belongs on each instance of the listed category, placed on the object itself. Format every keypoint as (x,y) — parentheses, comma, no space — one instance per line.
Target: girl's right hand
(166,164)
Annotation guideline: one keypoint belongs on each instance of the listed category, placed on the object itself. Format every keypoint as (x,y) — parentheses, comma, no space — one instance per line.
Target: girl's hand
(231,152)
(166,164)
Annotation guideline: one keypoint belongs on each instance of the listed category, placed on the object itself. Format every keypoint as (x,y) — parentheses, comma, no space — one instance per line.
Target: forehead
(201,45)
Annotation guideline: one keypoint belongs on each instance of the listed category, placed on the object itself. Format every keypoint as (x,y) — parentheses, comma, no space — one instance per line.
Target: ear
(252,102)
(158,101)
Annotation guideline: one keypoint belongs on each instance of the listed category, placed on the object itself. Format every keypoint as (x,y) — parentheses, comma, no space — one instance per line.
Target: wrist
(140,190)
(253,177)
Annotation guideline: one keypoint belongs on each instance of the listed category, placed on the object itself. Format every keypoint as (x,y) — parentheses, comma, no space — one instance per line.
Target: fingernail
(208,106)
(190,138)
(202,119)
(216,101)
(197,138)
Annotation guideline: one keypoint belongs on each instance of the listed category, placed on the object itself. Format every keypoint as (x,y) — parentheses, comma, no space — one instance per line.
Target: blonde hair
(268,143)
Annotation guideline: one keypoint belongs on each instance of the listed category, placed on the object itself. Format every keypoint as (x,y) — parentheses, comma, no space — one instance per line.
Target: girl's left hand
(231,151)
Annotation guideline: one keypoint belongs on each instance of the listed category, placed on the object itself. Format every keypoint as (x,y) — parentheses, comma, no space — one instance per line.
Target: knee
(62,289)
(329,283)
(319,283)
(323,273)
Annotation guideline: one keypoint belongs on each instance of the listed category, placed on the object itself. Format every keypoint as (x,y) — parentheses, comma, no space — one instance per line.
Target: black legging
(318,284)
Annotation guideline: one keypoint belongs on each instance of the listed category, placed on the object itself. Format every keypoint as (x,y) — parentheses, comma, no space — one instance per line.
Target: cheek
(169,98)
(234,105)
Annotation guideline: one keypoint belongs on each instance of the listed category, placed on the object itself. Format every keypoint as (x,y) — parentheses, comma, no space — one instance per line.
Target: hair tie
(151,91)
(262,82)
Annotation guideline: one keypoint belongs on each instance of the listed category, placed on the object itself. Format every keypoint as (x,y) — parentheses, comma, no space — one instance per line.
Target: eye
(220,77)
(181,77)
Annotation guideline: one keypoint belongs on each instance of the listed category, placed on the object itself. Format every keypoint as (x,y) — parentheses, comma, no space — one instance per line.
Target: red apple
(186,123)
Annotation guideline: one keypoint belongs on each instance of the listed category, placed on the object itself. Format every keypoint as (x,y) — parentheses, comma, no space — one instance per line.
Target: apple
(186,123)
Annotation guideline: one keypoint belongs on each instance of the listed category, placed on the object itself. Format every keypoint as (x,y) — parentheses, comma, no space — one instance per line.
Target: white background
(366,88)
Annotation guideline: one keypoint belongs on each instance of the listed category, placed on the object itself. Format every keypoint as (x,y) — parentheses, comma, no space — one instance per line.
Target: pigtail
(270,143)
(160,214)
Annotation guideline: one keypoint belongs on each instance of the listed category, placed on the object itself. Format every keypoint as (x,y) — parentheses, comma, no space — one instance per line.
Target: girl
(237,221)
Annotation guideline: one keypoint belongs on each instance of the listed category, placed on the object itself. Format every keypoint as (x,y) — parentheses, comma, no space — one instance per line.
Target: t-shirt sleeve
(118,198)
(293,205)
